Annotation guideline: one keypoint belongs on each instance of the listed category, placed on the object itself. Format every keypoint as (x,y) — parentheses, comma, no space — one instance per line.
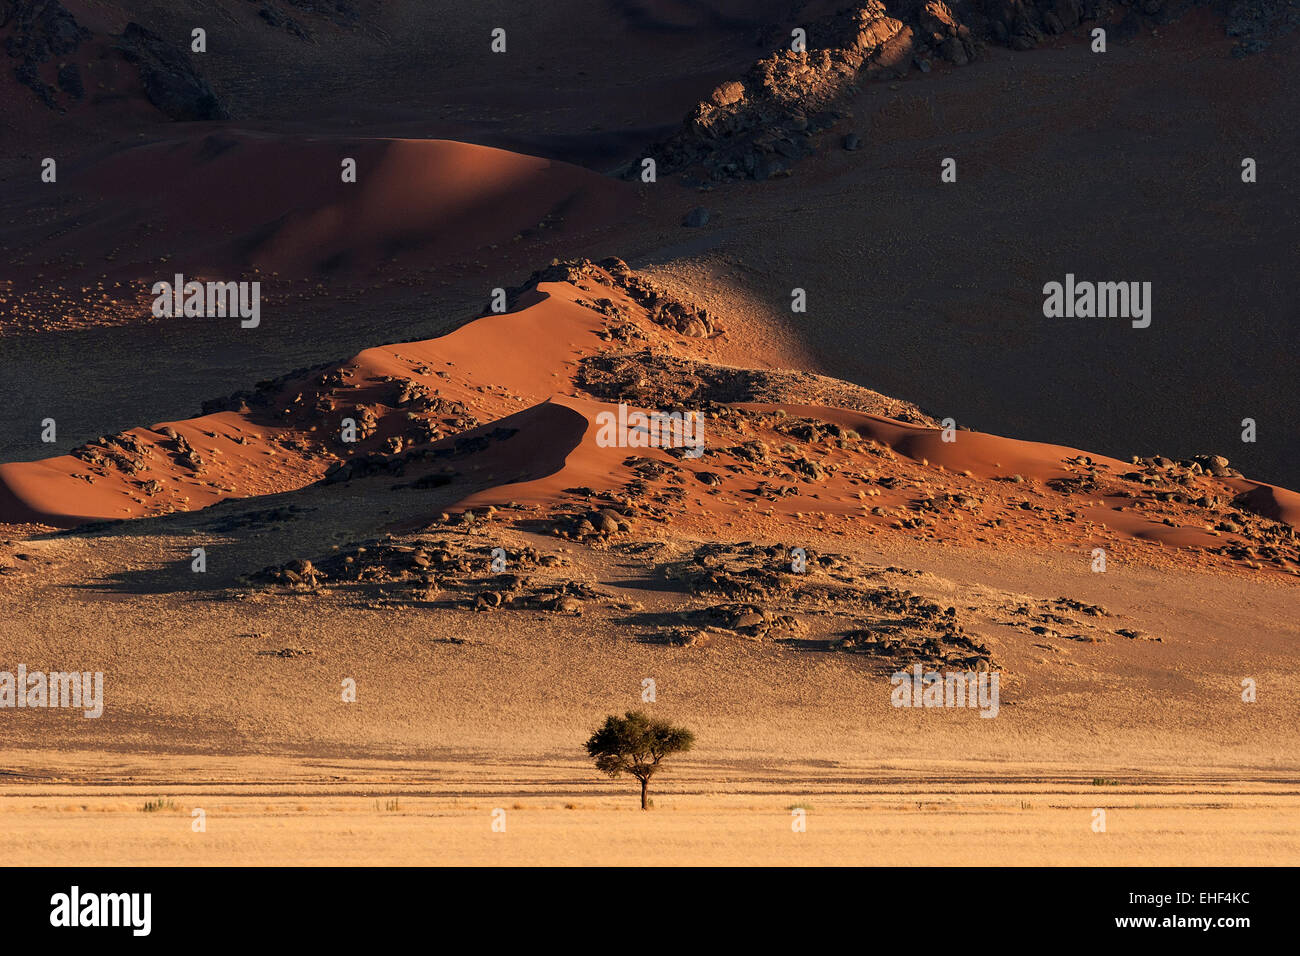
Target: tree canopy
(635,744)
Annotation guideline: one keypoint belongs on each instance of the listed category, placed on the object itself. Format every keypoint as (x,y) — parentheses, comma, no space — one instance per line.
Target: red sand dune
(492,365)
(1270,501)
(473,381)
(224,203)
(975,456)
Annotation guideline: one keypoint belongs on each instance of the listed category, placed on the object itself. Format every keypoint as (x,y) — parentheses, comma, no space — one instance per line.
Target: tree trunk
(644,783)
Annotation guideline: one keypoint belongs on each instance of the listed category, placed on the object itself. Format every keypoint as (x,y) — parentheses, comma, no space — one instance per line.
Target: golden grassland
(453,820)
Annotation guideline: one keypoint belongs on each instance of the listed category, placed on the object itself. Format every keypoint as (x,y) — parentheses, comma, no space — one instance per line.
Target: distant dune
(225,204)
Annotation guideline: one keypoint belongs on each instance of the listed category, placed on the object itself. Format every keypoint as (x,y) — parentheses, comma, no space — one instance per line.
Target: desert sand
(401,480)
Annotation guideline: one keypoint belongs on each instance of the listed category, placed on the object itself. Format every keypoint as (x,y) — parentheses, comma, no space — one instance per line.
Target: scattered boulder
(696,218)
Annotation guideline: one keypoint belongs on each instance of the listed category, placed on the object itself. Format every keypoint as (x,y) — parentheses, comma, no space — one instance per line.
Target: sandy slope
(235,205)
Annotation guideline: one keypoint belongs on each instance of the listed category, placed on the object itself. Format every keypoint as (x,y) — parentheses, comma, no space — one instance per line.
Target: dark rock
(954,51)
(42,30)
(70,81)
(697,217)
(170,81)
(937,20)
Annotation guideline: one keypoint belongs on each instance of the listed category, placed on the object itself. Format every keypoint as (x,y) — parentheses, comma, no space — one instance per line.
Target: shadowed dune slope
(227,203)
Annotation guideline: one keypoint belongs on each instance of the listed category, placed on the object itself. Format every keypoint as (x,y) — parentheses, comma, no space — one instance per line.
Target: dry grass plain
(198,716)
(989,825)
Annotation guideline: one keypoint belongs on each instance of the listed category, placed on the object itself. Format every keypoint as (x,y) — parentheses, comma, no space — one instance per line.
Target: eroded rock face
(45,40)
(170,81)
(759,125)
(40,31)
(1023,24)
(952,39)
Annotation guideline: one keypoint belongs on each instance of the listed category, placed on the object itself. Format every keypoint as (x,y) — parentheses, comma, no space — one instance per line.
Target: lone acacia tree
(634,743)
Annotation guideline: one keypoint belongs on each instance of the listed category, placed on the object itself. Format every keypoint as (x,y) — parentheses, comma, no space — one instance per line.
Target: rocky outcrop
(1023,24)
(1256,22)
(664,308)
(338,12)
(50,47)
(760,125)
(757,127)
(40,31)
(948,36)
(170,81)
